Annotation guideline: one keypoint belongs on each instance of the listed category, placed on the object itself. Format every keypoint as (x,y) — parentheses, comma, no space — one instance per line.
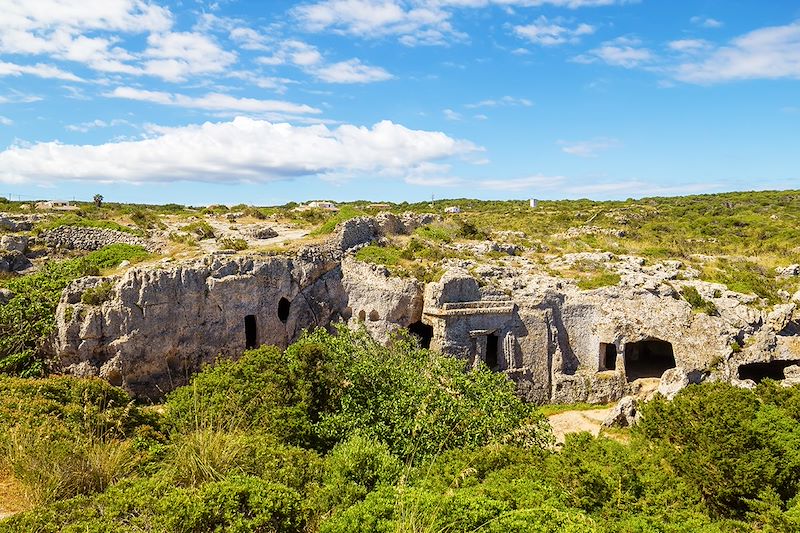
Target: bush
(697,302)
(201,228)
(232,244)
(598,279)
(98,294)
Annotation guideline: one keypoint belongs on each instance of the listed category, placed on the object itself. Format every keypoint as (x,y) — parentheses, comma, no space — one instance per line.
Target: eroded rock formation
(557,342)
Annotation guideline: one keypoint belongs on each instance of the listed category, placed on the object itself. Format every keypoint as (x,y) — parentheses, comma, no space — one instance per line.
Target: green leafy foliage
(200,228)
(228,243)
(85,222)
(697,302)
(598,279)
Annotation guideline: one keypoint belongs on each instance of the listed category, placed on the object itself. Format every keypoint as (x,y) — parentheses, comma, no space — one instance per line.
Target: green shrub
(232,244)
(598,279)
(201,228)
(98,294)
(353,469)
(379,255)
(697,302)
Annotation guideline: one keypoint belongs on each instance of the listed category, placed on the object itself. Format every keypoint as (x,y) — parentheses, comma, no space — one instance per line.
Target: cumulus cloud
(5,121)
(351,71)
(240,150)
(416,22)
(623,52)
(61,29)
(765,53)
(212,102)
(706,22)
(40,70)
(689,45)
(176,55)
(545,32)
(589,148)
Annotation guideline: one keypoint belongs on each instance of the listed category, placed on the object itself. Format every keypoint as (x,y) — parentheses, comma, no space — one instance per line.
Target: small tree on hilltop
(98,200)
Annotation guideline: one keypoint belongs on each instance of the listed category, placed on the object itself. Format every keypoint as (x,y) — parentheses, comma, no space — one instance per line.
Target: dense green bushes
(339,434)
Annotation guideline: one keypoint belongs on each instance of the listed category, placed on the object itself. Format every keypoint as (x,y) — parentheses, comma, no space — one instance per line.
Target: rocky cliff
(161,323)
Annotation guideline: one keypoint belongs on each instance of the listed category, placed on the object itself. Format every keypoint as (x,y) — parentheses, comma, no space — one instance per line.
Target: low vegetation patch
(229,243)
(84,222)
(597,280)
(200,228)
(697,302)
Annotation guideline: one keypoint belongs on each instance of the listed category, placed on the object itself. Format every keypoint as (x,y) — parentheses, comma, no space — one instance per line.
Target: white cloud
(623,52)
(176,55)
(83,127)
(40,70)
(689,45)
(240,150)
(765,53)
(519,184)
(59,29)
(706,22)
(449,114)
(248,38)
(351,71)
(550,33)
(5,121)
(505,101)
(414,22)
(589,148)
(212,102)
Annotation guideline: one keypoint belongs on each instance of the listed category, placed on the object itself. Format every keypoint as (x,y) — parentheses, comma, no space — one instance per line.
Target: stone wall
(79,238)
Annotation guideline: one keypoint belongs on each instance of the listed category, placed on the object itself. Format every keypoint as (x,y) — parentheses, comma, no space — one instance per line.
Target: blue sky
(265,102)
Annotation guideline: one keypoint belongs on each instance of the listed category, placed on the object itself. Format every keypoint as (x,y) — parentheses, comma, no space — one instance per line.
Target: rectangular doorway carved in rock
(608,356)
(492,351)
(250,332)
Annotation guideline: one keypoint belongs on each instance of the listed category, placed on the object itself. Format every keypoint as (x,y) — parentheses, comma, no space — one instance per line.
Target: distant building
(57,205)
(452,210)
(534,202)
(318,204)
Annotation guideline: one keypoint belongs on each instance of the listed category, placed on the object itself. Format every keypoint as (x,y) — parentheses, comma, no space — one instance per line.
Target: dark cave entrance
(283,309)
(608,356)
(423,332)
(250,332)
(758,372)
(492,342)
(648,359)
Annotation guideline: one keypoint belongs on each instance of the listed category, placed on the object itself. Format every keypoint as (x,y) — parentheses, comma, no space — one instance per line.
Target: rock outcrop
(558,343)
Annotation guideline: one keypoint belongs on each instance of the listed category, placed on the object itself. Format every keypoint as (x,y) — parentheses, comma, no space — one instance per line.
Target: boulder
(624,414)
(13,243)
(263,232)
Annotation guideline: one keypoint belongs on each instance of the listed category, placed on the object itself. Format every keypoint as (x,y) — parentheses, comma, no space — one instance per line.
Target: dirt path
(577,421)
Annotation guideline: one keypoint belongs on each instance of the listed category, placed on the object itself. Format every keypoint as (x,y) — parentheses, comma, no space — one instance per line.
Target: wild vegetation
(340,434)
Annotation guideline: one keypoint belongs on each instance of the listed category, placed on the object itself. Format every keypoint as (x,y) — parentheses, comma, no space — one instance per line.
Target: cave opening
(283,309)
(608,356)
(250,332)
(648,359)
(423,332)
(492,342)
(758,372)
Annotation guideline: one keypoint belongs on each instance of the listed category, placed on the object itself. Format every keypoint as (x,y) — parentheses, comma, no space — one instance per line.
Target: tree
(98,200)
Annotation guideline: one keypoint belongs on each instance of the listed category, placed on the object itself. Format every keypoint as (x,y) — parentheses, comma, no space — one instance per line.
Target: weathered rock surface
(624,414)
(557,342)
(14,243)
(78,238)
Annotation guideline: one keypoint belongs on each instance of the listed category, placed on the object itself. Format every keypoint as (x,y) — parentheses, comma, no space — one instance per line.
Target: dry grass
(14,498)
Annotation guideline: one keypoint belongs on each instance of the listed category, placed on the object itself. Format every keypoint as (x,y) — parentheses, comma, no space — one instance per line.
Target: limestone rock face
(558,343)
(624,414)
(378,301)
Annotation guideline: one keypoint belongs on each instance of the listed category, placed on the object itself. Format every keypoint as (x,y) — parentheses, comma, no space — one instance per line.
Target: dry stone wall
(79,238)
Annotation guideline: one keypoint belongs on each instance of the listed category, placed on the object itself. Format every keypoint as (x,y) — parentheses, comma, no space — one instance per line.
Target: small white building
(452,209)
(534,202)
(318,204)
(57,205)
